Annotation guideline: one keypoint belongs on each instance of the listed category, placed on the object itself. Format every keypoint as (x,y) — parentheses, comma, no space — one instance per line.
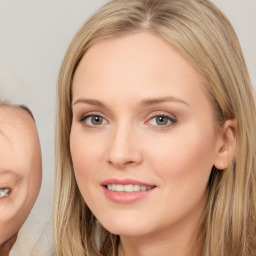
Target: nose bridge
(123,149)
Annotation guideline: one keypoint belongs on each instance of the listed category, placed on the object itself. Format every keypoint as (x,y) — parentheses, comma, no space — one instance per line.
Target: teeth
(4,192)
(119,188)
(143,188)
(127,188)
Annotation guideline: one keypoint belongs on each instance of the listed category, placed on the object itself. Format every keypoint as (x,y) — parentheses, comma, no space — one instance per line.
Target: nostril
(4,192)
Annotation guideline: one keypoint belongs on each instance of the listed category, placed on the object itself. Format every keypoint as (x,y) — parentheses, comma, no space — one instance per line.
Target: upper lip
(125,182)
(6,186)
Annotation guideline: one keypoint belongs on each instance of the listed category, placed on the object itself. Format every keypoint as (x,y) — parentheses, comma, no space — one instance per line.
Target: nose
(124,149)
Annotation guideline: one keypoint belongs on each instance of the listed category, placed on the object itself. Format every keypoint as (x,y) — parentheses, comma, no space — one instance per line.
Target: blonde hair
(204,36)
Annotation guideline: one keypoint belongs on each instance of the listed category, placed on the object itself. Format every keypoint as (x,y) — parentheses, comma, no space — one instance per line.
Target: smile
(126,191)
(4,192)
(128,188)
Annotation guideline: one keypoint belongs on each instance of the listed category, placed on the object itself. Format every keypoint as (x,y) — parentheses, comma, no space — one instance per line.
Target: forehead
(135,65)
(15,121)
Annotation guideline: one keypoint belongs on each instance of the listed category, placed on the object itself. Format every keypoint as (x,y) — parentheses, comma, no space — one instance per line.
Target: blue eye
(161,120)
(93,120)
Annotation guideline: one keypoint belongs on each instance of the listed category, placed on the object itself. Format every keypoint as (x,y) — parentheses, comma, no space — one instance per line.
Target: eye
(93,120)
(161,120)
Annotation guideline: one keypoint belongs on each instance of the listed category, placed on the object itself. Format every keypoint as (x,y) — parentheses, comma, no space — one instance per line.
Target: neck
(6,247)
(180,239)
(158,245)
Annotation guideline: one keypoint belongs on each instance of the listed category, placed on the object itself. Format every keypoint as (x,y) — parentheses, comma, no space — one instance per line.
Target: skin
(6,247)
(20,170)
(124,74)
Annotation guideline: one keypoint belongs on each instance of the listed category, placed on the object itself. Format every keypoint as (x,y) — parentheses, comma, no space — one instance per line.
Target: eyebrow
(144,102)
(154,101)
(90,102)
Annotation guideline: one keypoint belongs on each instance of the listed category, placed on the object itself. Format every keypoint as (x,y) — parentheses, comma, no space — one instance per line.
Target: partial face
(143,136)
(20,169)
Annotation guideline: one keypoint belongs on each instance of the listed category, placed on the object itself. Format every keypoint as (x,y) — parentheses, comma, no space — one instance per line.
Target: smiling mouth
(128,188)
(4,192)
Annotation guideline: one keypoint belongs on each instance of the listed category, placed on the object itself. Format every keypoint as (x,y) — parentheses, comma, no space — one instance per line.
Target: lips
(127,188)
(126,191)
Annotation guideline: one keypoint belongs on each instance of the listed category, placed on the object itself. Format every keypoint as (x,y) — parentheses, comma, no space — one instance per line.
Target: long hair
(204,36)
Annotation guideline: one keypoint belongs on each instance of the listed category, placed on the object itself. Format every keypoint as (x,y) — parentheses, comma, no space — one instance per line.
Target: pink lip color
(7,197)
(125,197)
(125,182)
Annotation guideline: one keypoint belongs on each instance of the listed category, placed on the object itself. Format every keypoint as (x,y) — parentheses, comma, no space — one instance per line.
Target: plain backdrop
(34,36)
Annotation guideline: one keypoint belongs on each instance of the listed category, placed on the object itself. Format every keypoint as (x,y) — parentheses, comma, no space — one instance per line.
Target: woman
(155,135)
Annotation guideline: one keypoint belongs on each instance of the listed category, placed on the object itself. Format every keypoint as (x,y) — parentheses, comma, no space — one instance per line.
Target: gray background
(33,38)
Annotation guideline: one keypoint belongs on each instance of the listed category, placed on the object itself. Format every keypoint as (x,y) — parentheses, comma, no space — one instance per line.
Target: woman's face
(20,169)
(143,138)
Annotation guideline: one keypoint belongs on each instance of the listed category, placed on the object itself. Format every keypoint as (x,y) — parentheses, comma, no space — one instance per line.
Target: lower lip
(126,197)
(4,199)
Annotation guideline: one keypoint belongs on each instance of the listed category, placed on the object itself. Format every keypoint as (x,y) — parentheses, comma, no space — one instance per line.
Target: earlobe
(226,144)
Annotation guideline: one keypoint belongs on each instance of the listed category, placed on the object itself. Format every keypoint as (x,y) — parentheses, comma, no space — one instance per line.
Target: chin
(127,230)
(127,225)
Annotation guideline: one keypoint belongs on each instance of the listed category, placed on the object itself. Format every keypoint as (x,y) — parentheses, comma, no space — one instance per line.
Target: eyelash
(83,119)
(170,120)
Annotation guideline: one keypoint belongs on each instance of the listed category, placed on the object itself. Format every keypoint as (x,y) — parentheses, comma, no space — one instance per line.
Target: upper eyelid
(147,117)
(85,116)
(162,113)
(92,113)
(172,119)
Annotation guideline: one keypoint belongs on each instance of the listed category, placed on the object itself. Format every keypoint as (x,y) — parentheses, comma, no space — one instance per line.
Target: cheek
(85,154)
(33,179)
(185,158)
(29,167)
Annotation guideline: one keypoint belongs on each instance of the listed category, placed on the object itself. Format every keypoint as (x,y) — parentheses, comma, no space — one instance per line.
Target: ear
(226,144)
